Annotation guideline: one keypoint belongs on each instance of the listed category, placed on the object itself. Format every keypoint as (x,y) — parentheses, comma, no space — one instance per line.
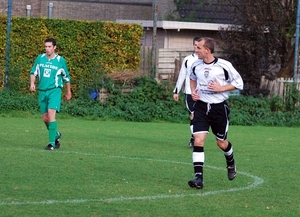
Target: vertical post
(155,9)
(50,6)
(28,9)
(7,51)
(296,55)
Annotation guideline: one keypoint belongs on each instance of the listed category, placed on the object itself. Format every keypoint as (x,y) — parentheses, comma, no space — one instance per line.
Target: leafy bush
(16,101)
(151,101)
(273,111)
(148,101)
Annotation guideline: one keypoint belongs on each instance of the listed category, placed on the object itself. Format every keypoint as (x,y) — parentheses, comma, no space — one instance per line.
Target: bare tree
(261,40)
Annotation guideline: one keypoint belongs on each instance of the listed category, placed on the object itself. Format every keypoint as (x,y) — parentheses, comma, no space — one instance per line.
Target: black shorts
(189,102)
(215,116)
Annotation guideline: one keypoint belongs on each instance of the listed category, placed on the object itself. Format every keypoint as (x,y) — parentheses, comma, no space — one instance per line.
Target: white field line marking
(257,181)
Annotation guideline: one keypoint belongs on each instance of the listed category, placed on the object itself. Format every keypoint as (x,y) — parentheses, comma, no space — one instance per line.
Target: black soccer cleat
(57,140)
(231,172)
(49,147)
(191,143)
(196,183)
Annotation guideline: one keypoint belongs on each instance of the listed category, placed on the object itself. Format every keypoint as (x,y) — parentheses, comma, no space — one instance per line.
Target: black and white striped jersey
(184,74)
(220,70)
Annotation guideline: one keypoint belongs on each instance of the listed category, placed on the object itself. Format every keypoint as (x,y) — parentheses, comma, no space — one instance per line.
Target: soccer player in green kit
(52,71)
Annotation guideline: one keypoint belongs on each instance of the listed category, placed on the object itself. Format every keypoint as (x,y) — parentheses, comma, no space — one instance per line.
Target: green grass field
(108,168)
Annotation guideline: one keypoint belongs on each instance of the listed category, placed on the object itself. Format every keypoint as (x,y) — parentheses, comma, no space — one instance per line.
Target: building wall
(91,10)
(174,39)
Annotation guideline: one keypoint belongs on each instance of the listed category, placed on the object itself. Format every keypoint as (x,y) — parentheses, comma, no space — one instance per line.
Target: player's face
(49,49)
(200,50)
(195,45)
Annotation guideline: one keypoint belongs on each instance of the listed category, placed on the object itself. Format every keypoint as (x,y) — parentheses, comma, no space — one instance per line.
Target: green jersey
(52,73)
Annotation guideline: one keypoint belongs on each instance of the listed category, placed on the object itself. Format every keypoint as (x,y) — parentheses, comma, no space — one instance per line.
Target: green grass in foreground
(108,168)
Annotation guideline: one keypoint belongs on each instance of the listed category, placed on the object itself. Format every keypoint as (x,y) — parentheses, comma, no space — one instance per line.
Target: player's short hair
(197,38)
(209,43)
(52,40)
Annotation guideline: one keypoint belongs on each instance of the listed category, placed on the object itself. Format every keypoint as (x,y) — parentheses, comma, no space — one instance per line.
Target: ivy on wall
(89,48)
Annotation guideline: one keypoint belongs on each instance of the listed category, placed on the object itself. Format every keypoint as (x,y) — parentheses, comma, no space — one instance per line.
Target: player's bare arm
(69,93)
(32,83)
(194,90)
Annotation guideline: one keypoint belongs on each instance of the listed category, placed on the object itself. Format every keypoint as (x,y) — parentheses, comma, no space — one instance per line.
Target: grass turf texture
(108,168)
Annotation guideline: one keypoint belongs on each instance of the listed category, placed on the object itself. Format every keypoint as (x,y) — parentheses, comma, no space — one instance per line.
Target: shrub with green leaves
(11,100)
(150,101)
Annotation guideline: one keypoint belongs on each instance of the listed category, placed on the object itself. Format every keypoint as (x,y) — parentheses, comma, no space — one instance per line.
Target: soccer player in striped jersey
(184,77)
(211,79)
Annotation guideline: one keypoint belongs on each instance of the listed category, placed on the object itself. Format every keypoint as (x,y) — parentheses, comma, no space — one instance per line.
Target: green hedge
(89,48)
(149,101)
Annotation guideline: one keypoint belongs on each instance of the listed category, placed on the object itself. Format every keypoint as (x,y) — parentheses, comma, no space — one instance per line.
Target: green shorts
(50,99)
